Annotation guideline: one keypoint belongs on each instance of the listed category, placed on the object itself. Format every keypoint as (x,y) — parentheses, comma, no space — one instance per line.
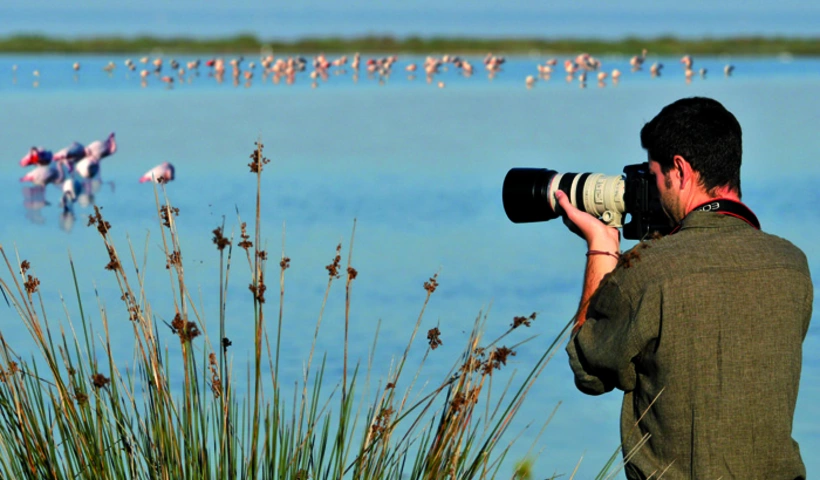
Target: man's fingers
(567,206)
(563,201)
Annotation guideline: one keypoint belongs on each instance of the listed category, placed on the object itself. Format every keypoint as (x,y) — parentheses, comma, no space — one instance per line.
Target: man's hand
(597,234)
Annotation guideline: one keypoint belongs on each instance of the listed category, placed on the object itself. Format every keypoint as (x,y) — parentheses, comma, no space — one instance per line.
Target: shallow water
(419,168)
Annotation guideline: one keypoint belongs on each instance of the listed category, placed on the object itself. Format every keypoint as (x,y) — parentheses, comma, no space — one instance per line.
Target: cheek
(659,183)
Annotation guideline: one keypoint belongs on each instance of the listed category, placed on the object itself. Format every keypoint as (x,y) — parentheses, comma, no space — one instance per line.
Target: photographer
(703,328)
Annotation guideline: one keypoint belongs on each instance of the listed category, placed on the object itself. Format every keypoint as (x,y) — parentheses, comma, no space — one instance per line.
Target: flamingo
(88,167)
(530,81)
(71,153)
(162,173)
(37,156)
(102,149)
(42,175)
(637,61)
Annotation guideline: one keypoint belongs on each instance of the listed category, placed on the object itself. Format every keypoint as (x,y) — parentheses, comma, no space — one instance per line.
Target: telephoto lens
(529,195)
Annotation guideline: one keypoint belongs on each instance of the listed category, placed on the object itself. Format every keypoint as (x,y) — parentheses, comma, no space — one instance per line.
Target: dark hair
(704,133)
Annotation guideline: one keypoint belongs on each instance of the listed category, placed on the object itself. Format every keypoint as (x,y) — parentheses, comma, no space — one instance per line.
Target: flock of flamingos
(75,169)
(581,68)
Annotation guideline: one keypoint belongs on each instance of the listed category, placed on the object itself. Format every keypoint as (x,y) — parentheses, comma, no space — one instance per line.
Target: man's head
(704,134)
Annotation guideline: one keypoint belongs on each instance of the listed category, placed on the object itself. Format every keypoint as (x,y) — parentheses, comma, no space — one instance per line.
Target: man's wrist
(616,255)
(605,246)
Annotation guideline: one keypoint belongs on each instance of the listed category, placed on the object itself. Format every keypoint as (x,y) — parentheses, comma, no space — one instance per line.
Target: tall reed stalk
(68,410)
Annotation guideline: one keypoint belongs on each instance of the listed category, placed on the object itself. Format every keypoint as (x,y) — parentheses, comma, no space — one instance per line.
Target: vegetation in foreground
(667,45)
(68,410)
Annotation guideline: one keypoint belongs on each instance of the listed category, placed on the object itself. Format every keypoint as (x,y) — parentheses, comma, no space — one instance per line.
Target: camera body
(529,196)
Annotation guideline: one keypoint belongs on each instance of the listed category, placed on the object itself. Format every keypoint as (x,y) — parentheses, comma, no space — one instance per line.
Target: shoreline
(752,46)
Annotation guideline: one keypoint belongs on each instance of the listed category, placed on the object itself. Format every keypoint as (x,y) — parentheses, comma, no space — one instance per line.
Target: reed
(68,409)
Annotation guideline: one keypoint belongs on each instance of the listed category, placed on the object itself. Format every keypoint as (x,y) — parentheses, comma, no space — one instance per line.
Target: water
(419,168)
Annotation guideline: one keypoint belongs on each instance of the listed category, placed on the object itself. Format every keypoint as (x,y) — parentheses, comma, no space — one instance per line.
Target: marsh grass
(69,410)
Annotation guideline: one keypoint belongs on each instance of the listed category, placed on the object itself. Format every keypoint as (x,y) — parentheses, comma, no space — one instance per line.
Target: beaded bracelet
(601,252)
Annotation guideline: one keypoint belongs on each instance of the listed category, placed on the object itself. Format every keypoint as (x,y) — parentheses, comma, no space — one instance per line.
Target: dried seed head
(24,266)
(458,401)
(333,268)
(433,338)
(257,160)
(186,331)
(259,289)
(245,243)
(431,284)
(114,263)
(174,259)
(96,219)
(99,380)
(219,239)
(285,263)
(226,342)
(498,357)
(31,284)
(526,321)
(351,273)
(166,212)
(382,420)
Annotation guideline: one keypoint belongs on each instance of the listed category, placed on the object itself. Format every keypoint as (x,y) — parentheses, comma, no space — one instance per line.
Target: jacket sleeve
(603,353)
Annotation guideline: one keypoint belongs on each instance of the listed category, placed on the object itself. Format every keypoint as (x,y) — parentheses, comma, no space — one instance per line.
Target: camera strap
(727,207)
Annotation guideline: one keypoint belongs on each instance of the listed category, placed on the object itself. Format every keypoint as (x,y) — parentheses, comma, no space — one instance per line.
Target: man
(702,329)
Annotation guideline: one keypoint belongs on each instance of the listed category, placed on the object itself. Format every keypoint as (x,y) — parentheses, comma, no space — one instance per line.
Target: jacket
(702,331)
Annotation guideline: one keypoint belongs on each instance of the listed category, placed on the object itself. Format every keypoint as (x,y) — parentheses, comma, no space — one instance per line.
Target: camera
(529,196)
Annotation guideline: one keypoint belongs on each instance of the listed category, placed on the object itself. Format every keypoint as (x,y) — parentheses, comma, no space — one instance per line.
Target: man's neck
(702,197)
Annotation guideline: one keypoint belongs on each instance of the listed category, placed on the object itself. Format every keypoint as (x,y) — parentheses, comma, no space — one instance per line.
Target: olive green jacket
(709,324)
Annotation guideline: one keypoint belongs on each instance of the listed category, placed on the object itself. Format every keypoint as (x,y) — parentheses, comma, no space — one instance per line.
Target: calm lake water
(419,168)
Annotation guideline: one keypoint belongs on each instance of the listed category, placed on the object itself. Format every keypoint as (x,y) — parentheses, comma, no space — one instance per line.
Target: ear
(683,170)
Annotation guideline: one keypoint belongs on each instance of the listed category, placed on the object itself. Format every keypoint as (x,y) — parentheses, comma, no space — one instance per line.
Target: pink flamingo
(162,173)
(102,149)
(637,61)
(54,172)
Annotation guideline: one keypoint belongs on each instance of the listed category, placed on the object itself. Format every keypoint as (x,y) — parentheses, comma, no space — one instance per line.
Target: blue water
(419,168)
